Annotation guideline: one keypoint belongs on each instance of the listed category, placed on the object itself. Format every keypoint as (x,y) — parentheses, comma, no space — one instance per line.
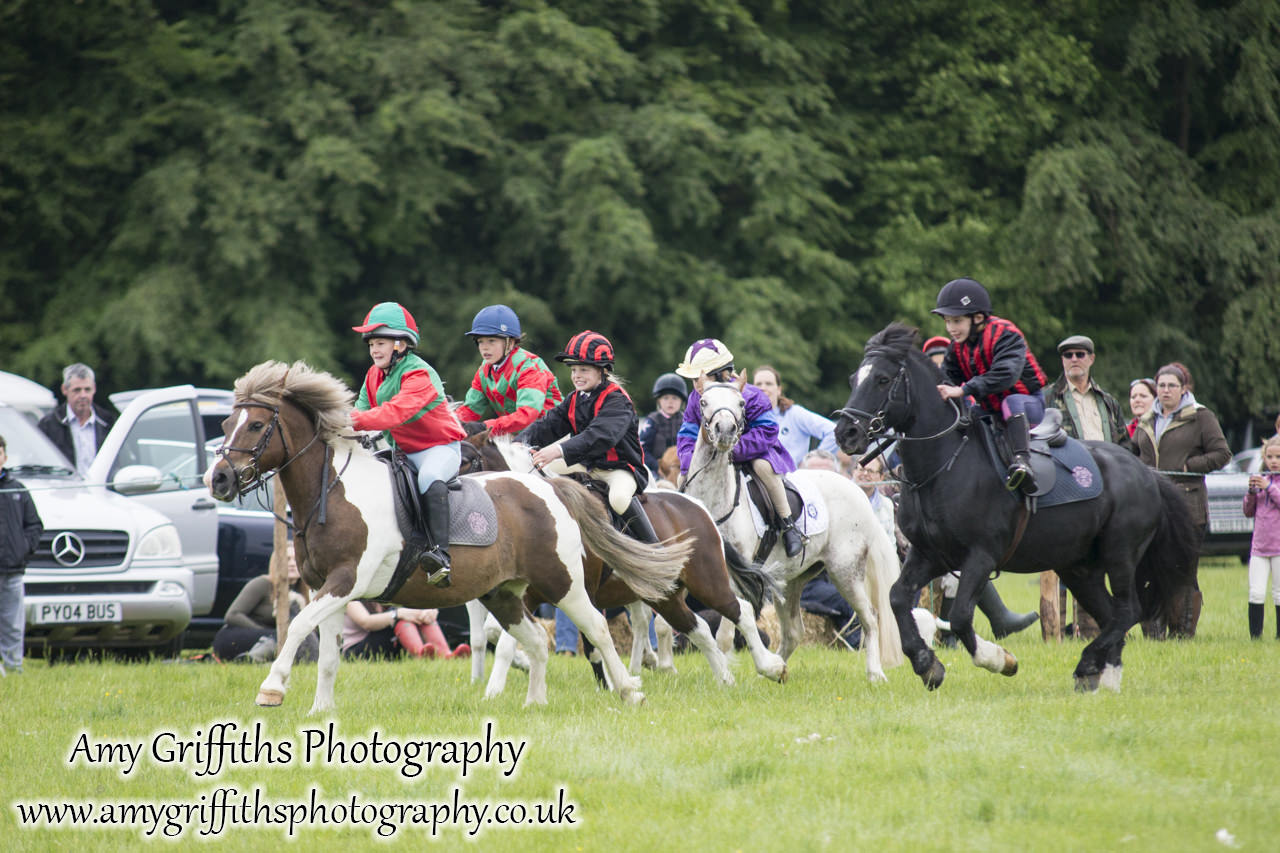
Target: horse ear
(742,382)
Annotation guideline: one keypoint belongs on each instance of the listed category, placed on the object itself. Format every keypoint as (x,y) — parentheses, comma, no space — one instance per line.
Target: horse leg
(503,652)
(789,621)
(724,636)
(276,684)
(593,626)
(666,644)
(767,663)
(675,611)
(1100,664)
(327,663)
(534,639)
(638,615)
(476,614)
(853,587)
(916,572)
(985,654)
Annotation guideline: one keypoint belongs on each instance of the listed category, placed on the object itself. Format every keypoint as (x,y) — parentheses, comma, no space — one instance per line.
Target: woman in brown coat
(1180,435)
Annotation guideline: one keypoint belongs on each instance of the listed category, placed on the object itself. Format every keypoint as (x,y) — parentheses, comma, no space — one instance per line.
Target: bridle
(738,429)
(881,437)
(250,476)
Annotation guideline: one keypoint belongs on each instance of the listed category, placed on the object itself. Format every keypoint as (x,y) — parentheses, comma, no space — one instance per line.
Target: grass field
(824,762)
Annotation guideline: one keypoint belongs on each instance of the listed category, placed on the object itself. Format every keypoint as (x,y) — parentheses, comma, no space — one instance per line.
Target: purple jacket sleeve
(688,435)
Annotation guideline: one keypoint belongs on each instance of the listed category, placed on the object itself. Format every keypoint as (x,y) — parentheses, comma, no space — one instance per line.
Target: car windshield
(30,451)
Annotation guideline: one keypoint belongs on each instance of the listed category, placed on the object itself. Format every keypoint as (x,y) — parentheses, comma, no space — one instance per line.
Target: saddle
(472,517)
(1052,451)
(758,496)
(601,490)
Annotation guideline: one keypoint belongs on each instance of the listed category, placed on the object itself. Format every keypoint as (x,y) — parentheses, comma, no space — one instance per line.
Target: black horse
(1138,535)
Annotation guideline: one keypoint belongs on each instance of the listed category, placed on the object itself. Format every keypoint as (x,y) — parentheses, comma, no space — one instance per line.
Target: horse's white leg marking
(503,652)
(327,665)
(989,656)
(767,663)
(666,645)
(476,615)
(276,684)
(1110,678)
(534,639)
(701,638)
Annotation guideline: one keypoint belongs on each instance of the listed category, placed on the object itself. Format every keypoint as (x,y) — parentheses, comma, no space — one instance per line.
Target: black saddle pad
(1064,474)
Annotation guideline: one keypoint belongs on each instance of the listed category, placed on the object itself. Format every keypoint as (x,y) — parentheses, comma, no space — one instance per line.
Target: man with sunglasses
(1088,412)
(1091,414)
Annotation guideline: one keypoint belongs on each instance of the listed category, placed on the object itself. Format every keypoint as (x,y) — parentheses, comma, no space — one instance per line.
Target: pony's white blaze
(863,372)
(231,439)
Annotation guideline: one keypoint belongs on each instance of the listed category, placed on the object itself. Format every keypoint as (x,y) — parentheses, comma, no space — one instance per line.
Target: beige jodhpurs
(622,485)
(772,482)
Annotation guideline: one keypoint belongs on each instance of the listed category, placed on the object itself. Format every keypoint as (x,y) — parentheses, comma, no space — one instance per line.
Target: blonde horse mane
(326,398)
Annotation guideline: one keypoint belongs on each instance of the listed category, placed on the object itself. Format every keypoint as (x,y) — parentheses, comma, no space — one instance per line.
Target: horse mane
(897,340)
(326,398)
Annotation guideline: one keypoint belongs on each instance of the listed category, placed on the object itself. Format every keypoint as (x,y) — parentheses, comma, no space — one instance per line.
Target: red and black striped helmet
(590,348)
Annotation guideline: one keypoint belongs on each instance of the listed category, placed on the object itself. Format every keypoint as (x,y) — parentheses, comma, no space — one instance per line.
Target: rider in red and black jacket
(594,431)
(989,360)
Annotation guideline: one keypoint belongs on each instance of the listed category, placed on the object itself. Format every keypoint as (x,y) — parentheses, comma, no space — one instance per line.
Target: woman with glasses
(1179,436)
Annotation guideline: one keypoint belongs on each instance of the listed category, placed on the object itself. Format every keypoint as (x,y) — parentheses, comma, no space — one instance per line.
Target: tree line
(188,188)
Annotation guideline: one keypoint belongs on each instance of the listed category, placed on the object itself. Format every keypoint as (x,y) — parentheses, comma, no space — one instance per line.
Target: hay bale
(817,629)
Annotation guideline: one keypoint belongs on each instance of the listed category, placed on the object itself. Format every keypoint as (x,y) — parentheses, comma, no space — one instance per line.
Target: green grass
(825,761)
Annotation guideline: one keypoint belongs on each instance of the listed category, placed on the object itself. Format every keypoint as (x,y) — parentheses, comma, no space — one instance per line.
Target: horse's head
(281,410)
(880,398)
(723,413)
(253,444)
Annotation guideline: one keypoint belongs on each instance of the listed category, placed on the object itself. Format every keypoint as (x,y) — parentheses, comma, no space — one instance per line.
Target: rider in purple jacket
(709,359)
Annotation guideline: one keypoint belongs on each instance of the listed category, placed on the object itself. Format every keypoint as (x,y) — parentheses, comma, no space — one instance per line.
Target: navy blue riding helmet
(962,296)
(496,321)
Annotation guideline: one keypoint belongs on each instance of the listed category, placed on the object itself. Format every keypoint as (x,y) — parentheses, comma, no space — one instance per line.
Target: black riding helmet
(963,296)
(670,383)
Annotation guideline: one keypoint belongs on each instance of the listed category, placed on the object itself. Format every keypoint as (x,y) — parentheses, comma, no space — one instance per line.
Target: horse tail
(882,571)
(754,584)
(651,571)
(1166,570)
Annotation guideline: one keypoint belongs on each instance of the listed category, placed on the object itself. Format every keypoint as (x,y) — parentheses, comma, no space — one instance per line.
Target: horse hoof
(933,676)
(877,678)
(1088,683)
(1010,665)
(632,697)
(784,675)
(270,698)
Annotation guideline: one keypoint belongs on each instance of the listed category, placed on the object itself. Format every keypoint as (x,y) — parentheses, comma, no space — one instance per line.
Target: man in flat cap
(1091,414)
(1088,412)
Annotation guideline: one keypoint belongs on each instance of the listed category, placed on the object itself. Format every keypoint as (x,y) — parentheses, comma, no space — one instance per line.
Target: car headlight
(162,541)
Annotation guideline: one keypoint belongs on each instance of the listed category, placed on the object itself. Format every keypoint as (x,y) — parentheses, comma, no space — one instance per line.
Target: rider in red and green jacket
(512,387)
(403,396)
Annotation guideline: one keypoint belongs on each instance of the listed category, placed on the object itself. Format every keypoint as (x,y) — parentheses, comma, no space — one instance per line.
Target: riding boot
(1003,620)
(1278,621)
(1255,621)
(1017,437)
(436,560)
(636,523)
(792,540)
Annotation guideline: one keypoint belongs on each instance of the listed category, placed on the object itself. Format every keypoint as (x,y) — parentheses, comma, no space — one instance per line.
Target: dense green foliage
(823,762)
(189,188)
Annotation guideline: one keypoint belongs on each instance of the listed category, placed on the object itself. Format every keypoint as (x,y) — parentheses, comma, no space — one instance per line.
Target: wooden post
(279,566)
(1050,618)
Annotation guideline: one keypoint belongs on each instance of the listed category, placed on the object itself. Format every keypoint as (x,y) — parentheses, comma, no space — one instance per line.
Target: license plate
(61,612)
